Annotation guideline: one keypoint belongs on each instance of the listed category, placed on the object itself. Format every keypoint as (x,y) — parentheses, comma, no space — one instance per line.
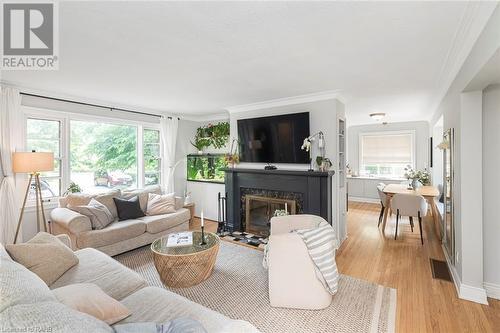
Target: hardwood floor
(424,304)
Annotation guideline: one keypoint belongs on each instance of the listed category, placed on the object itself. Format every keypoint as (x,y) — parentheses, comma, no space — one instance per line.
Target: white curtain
(9,110)
(168,132)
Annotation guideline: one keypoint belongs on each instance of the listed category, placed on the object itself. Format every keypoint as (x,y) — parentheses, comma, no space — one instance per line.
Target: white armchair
(293,282)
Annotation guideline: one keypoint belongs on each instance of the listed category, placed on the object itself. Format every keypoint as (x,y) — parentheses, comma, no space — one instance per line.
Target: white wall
(323,117)
(204,195)
(185,134)
(491,185)
(456,108)
(421,129)
(437,166)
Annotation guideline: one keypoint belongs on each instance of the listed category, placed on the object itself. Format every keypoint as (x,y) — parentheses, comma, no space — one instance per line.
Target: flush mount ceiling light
(377,116)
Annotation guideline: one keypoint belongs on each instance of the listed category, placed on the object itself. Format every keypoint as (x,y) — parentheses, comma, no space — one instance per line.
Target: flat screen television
(275,139)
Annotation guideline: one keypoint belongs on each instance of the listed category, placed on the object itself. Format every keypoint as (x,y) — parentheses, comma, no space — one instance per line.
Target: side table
(191,207)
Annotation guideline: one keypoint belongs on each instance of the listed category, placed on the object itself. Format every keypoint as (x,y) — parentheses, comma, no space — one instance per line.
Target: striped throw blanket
(321,242)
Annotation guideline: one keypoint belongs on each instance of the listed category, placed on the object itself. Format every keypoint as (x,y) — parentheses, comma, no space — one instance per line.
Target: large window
(96,155)
(152,161)
(103,156)
(386,154)
(44,135)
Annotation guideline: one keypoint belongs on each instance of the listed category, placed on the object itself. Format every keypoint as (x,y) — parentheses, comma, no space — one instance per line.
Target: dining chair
(383,201)
(412,206)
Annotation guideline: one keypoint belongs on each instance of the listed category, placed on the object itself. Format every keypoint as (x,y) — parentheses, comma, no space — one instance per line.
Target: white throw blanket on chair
(321,243)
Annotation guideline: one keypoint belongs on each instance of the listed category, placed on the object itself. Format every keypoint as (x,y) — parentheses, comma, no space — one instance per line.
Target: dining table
(430,193)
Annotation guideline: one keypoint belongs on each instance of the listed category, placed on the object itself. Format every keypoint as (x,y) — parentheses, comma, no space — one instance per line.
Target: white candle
(202,219)
(286,207)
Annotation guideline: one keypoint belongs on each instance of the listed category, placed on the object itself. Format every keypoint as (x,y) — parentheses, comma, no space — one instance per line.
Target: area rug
(238,289)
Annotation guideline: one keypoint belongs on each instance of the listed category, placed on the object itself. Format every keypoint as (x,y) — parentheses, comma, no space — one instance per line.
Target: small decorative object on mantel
(324,163)
(417,177)
(73,188)
(306,145)
(211,135)
(232,157)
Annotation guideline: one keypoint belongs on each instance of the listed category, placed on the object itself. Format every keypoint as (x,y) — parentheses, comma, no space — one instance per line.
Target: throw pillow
(107,200)
(44,255)
(99,215)
(90,299)
(128,209)
(142,193)
(160,204)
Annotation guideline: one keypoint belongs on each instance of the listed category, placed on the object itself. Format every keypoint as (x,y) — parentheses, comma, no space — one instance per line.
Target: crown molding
(472,23)
(300,99)
(205,117)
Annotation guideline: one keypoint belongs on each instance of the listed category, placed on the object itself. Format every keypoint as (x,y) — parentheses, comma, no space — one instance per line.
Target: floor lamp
(33,163)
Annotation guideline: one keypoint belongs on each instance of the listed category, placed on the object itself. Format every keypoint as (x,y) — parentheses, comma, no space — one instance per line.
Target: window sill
(205,181)
(31,207)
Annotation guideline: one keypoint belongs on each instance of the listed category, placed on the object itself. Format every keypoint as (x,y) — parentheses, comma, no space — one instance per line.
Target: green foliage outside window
(206,167)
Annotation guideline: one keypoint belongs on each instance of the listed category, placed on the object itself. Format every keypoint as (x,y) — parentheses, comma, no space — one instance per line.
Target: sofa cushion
(160,204)
(158,223)
(19,285)
(51,317)
(96,267)
(115,232)
(107,200)
(82,199)
(159,305)
(44,255)
(90,299)
(142,193)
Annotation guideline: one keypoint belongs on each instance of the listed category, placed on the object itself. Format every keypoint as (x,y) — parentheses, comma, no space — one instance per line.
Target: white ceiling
(199,58)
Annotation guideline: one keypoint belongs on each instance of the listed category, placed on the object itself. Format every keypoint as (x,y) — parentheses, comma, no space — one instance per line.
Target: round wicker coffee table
(186,266)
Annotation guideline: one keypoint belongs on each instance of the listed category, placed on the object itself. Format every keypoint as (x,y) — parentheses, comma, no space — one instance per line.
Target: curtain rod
(94,105)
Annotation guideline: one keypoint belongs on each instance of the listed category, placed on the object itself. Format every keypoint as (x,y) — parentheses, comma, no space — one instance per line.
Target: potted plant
(72,188)
(417,177)
(211,135)
(232,157)
(324,163)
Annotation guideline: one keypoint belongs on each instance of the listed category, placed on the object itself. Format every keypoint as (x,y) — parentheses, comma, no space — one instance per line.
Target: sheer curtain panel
(168,132)
(10,104)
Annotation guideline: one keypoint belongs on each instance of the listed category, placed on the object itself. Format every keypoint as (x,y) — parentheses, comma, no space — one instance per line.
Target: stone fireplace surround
(311,190)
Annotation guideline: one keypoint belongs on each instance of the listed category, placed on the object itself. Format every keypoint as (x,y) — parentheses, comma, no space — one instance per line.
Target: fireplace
(260,209)
(311,192)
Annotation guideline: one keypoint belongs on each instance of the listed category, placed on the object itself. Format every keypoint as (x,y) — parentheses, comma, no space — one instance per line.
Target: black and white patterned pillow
(99,215)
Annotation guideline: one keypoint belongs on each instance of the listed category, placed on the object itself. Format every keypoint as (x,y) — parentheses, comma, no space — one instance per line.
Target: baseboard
(361,199)
(466,292)
(492,290)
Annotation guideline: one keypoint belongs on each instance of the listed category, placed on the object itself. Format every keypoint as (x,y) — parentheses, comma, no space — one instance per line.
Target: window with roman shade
(386,154)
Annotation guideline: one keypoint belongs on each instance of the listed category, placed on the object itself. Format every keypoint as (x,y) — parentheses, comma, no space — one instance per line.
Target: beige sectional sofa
(119,236)
(28,305)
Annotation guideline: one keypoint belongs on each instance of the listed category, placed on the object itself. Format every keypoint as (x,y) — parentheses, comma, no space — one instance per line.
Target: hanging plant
(211,135)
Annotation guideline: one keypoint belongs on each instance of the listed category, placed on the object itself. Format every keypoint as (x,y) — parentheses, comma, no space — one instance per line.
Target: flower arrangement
(280,212)
(233,157)
(211,135)
(422,176)
(306,145)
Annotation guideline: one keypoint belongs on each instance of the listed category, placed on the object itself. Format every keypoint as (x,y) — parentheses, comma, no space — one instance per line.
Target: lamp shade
(32,162)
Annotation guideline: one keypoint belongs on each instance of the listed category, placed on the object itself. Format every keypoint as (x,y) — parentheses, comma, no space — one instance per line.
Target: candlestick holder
(203,236)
